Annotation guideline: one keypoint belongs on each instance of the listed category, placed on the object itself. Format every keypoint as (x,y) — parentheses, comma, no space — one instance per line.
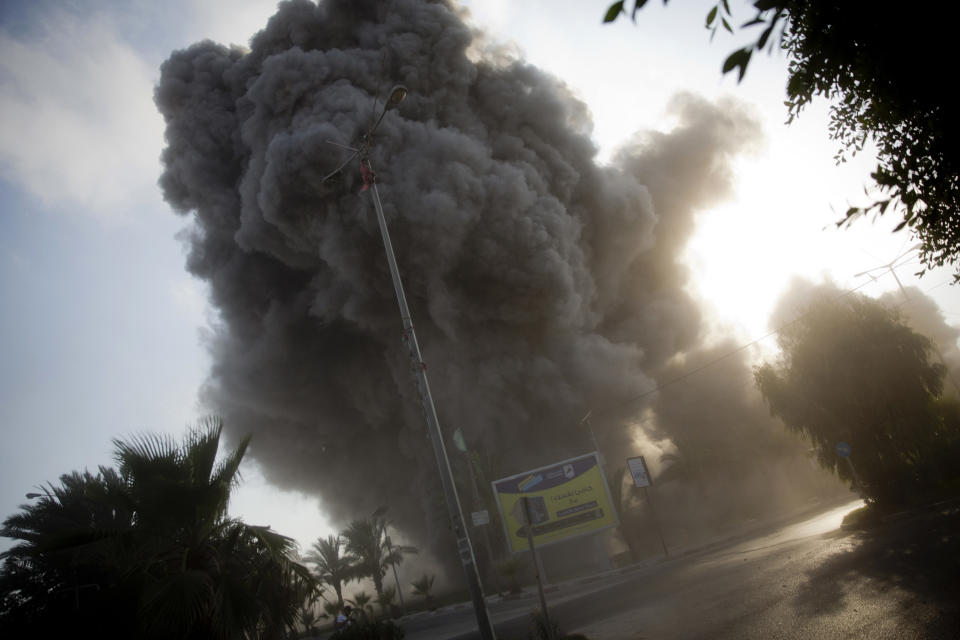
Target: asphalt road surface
(805,581)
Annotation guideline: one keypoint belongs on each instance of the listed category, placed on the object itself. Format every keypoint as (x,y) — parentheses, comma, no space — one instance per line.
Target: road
(807,580)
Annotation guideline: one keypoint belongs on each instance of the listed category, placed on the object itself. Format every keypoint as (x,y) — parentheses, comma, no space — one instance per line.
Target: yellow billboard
(566,500)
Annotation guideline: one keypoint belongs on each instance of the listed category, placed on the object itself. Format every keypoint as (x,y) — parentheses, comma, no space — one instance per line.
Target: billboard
(567,499)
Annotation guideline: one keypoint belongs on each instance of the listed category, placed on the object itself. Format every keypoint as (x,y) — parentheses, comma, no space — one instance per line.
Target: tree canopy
(369,543)
(880,64)
(333,566)
(148,550)
(852,371)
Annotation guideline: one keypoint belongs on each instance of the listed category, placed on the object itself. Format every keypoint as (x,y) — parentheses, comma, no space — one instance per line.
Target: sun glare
(781,224)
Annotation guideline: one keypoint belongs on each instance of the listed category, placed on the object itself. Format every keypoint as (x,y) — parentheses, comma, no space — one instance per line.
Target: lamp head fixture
(397,94)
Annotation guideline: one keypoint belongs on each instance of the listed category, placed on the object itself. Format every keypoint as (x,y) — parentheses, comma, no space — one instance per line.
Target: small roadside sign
(638,469)
(842,449)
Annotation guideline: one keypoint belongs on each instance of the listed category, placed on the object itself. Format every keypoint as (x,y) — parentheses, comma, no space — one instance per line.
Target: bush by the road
(538,629)
(861,518)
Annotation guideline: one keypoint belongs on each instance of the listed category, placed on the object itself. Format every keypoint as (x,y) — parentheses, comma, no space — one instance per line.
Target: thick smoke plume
(542,284)
(913,306)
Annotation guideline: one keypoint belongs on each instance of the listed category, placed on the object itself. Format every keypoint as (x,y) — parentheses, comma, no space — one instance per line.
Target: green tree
(851,371)
(361,600)
(368,542)
(511,569)
(60,574)
(149,550)
(333,567)
(423,585)
(386,599)
(330,609)
(307,611)
(895,96)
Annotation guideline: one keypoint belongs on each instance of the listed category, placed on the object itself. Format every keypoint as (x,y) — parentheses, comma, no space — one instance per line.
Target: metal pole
(656,522)
(536,565)
(585,420)
(467,557)
(492,569)
(403,607)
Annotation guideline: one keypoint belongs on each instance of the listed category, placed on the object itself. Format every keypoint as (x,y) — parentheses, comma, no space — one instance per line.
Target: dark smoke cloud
(542,283)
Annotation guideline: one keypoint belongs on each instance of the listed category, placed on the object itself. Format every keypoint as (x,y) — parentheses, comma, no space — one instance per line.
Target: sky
(102,331)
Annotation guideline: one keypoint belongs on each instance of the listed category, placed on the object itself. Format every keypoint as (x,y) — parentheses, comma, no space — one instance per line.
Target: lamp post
(464,546)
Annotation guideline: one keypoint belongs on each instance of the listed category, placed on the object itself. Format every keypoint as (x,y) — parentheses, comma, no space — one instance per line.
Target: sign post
(642,480)
(536,566)
(844,450)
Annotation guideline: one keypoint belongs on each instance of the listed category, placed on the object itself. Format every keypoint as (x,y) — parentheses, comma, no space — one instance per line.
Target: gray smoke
(922,313)
(541,283)
(913,306)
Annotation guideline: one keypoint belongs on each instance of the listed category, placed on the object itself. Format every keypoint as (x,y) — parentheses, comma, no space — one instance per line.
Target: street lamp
(464,546)
(397,94)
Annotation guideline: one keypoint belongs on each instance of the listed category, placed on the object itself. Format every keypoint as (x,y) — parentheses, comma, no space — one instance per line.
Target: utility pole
(585,421)
(464,547)
(478,502)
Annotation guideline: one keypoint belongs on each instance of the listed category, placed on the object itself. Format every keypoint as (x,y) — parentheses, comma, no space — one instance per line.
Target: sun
(779,225)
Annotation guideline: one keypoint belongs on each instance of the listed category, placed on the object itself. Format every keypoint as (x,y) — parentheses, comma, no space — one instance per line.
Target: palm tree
(59,573)
(201,571)
(307,611)
(332,567)
(361,600)
(151,547)
(386,600)
(368,542)
(423,586)
(331,609)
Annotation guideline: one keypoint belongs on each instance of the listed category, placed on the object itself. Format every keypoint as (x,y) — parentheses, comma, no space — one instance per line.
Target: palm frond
(228,471)
(156,530)
(172,605)
(200,448)
(141,449)
(423,585)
